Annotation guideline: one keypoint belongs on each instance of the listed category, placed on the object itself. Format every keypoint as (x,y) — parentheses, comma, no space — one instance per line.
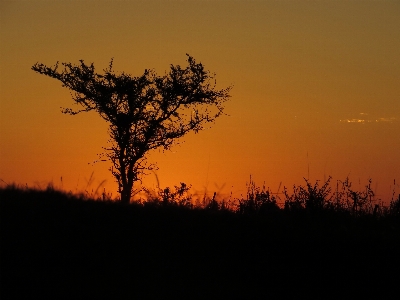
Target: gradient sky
(316,90)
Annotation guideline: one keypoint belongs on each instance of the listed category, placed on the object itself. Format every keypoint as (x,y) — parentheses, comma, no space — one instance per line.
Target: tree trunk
(125,190)
(127,184)
(125,196)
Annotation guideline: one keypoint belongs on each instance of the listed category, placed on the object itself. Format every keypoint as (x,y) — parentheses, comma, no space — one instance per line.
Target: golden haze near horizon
(316,90)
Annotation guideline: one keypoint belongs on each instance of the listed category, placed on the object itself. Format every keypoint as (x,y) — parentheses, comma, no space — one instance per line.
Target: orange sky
(316,90)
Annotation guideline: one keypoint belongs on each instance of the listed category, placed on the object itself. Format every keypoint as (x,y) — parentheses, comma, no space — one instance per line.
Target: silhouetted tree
(143,113)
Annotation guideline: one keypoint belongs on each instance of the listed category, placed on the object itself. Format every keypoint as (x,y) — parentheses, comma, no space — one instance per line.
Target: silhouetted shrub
(258,201)
(394,208)
(178,196)
(312,198)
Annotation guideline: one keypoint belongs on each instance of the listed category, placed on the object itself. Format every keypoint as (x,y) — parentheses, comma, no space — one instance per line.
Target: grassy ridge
(58,244)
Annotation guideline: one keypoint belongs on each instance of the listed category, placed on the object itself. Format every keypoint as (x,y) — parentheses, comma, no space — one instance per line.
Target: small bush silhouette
(258,201)
(313,198)
(178,196)
(394,208)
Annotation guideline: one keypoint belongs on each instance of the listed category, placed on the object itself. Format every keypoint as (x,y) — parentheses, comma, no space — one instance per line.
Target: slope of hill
(59,245)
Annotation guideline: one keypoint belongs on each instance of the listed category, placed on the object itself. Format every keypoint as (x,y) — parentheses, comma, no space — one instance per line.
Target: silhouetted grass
(56,244)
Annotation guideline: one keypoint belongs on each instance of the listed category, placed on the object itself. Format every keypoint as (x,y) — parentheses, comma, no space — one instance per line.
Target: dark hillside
(58,245)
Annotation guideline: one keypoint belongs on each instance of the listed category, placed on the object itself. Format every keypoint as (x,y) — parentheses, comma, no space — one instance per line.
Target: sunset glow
(316,91)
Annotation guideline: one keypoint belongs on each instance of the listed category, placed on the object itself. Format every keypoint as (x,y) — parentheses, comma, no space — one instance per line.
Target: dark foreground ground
(55,247)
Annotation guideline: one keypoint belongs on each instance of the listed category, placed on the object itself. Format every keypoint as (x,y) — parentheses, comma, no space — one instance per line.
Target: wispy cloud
(391,120)
(353,121)
(364,118)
